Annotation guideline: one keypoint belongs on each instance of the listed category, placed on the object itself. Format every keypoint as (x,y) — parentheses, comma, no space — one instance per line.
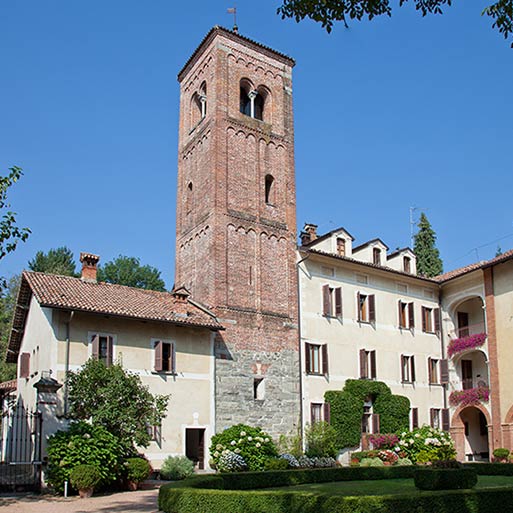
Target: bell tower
(236,223)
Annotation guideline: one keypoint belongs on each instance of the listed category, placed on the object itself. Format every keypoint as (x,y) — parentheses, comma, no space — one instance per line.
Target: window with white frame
(316,359)
(366,305)
(407,368)
(367,364)
(406,315)
(331,301)
(319,412)
(430,319)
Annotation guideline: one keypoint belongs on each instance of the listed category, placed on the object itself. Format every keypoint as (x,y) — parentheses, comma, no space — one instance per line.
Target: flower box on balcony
(457,345)
(470,397)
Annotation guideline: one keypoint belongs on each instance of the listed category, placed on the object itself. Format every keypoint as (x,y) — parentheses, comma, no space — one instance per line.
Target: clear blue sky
(388,114)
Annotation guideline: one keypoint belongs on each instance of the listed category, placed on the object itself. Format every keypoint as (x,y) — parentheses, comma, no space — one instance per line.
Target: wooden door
(195,446)
(466,374)
(463,330)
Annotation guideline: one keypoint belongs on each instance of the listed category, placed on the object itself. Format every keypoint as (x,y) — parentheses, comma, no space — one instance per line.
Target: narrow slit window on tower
(245,101)
(269,189)
(188,199)
(258,389)
(203,99)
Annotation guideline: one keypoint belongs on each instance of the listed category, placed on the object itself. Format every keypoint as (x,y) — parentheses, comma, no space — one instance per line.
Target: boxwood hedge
(445,478)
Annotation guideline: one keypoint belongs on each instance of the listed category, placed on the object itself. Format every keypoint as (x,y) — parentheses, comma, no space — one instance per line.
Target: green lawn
(384,486)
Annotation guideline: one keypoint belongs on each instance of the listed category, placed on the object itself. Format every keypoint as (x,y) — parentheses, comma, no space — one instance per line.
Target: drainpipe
(442,343)
(66,362)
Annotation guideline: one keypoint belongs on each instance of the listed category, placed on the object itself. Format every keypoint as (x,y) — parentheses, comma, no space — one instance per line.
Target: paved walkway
(141,501)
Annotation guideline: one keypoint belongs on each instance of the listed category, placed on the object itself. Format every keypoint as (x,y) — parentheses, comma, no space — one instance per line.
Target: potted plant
(84,478)
(137,470)
(500,455)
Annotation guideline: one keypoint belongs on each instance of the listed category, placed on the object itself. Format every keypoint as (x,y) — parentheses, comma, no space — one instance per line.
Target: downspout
(66,362)
(442,343)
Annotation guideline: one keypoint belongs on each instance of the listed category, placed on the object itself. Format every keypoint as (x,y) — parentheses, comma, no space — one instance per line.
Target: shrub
(404,461)
(175,468)
(387,456)
(445,479)
(425,444)
(137,469)
(321,440)
(254,445)
(291,460)
(371,462)
(83,444)
(501,454)
(446,464)
(291,444)
(276,464)
(83,477)
(231,462)
(325,462)
(364,454)
(386,441)
(491,469)
(305,462)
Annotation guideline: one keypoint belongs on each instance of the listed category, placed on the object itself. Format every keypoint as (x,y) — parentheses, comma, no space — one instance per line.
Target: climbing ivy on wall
(346,409)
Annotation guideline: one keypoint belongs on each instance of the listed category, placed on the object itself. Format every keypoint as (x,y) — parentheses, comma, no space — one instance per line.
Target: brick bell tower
(236,223)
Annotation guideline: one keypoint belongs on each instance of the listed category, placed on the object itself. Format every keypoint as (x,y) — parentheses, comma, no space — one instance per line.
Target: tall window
(407,369)
(367,364)
(341,246)
(376,256)
(102,348)
(407,264)
(430,319)
(245,101)
(188,198)
(366,308)
(269,189)
(370,420)
(406,315)
(331,301)
(316,359)
(438,371)
(164,356)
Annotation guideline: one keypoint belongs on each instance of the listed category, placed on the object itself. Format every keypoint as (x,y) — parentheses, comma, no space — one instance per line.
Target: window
(376,256)
(245,102)
(430,320)
(331,301)
(188,199)
(370,420)
(24,365)
(366,308)
(269,190)
(253,102)
(102,348)
(407,369)
(258,389)
(367,364)
(434,416)
(341,246)
(414,418)
(433,371)
(316,357)
(164,356)
(155,433)
(407,264)
(406,315)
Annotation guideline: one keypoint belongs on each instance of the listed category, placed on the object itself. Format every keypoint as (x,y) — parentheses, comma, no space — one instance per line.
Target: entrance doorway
(476,434)
(195,446)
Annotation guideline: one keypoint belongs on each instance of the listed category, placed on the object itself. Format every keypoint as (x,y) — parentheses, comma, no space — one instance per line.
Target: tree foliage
(56,261)
(117,400)
(429,263)
(10,233)
(128,271)
(327,12)
(8,295)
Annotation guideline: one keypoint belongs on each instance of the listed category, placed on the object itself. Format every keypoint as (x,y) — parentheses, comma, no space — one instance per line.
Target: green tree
(117,400)
(10,233)
(327,12)
(429,263)
(56,261)
(128,271)
(8,295)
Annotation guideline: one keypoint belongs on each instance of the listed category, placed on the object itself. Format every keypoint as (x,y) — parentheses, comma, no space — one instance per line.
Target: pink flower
(458,345)
(470,396)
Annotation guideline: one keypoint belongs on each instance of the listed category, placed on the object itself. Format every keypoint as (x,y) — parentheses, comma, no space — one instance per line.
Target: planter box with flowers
(469,397)
(458,345)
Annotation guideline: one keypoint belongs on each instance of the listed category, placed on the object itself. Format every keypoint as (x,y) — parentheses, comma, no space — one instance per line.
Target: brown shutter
(375,423)
(402,368)
(95,347)
(424,327)
(308,364)
(358,307)
(430,374)
(444,372)
(24,365)
(414,418)
(172,356)
(372,308)
(411,315)
(326,303)
(159,367)
(338,302)
(363,364)
(312,413)
(445,419)
(437,319)
(325,366)
(373,364)
(109,351)
(432,417)
(412,360)
(400,312)
(327,412)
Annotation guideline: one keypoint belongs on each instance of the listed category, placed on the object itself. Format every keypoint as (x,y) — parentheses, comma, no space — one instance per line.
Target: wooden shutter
(412,368)
(326,301)
(95,347)
(430,373)
(444,372)
(424,327)
(373,364)
(24,365)
(312,413)
(327,412)
(308,363)
(400,312)
(372,308)
(436,313)
(411,315)
(110,344)
(358,307)
(172,356)
(338,302)
(363,364)
(402,368)
(325,366)
(445,419)
(432,417)
(375,423)
(159,365)
(414,418)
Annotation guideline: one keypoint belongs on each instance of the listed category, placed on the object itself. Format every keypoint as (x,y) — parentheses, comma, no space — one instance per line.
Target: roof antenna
(233,10)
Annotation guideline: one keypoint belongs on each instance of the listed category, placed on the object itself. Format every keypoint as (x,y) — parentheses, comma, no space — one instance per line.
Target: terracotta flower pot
(85,493)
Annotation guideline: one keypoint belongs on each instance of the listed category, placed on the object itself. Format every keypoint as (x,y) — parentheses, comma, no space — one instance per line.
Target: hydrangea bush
(458,345)
(229,461)
(425,444)
(383,441)
(251,443)
(291,460)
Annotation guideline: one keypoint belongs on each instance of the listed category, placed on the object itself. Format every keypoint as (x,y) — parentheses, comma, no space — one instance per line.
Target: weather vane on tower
(233,10)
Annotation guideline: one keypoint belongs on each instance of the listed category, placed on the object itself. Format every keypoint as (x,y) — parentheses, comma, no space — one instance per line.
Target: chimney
(308,234)
(181,294)
(89,263)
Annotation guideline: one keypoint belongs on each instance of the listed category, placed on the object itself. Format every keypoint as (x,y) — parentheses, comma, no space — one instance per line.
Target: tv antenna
(233,10)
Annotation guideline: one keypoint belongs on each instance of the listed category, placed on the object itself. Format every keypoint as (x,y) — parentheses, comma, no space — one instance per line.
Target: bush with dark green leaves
(445,478)
(176,468)
(491,469)
(276,464)
(83,444)
(137,470)
(321,440)
(84,477)
(501,454)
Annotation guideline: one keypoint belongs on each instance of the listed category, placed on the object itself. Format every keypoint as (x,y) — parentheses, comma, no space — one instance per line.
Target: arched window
(203,99)
(269,189)
(188,198)
(195,110)
(245,102)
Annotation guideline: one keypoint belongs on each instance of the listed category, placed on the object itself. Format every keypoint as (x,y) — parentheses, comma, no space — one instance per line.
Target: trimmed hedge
(491,469)
(445,478)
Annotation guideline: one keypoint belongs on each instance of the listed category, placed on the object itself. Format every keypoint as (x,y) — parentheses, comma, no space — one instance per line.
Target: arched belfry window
(188,198)
(269,189)
(246,89)
(203,99)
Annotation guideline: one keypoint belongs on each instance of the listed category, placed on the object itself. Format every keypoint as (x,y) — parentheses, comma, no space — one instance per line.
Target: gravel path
(141,501)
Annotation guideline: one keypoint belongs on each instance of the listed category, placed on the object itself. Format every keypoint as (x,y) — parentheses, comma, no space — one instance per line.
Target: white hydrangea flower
(250,438)
(216,454)
(266,440)
(258,444)
(243,433)
(233,442)
(219,447)
(237,451)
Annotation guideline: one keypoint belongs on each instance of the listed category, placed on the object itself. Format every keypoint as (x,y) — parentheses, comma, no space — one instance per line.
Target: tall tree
(56,261)
(10,233)
(8,295)
(128,271)
(429,263)
(327,12)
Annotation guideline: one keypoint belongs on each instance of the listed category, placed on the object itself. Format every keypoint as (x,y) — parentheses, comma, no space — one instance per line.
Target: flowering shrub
(291,460)
(404,461)
(425,444)
(458,345)
(175,468)
(371,462)
(470,396)
(385,441)
(388,456)
(231,462)
(251,443)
